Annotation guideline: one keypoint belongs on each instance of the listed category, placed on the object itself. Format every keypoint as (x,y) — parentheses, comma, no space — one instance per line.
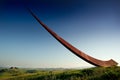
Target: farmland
(96,73)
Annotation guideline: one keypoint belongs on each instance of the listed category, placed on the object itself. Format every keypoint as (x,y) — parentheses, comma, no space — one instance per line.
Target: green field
(96,73)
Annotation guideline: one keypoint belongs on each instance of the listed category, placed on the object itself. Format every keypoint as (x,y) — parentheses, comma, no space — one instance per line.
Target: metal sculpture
(87,58)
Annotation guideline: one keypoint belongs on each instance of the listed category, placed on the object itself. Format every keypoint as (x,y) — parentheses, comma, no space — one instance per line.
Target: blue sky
(93,26)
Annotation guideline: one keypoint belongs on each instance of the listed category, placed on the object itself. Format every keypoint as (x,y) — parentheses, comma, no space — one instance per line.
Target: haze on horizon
(91,26)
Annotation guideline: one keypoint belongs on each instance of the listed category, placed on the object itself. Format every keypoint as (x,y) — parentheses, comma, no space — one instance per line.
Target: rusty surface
(76,51)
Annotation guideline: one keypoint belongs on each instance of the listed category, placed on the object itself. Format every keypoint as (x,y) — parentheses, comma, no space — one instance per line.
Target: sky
(92,26)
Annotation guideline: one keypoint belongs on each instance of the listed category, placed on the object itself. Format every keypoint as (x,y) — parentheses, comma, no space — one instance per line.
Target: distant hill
(96,73)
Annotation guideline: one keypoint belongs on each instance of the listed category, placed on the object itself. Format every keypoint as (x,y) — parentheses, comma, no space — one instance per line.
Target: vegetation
(97,73)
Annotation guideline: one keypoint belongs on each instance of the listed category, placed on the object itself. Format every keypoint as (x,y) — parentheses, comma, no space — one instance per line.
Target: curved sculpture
(77,52)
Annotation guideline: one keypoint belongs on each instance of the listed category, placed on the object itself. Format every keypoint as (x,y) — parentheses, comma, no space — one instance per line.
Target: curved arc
(89,59)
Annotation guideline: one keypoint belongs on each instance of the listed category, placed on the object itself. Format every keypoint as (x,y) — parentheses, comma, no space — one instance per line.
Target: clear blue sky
(93,26)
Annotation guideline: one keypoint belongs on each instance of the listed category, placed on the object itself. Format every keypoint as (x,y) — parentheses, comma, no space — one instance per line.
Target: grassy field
(97,73)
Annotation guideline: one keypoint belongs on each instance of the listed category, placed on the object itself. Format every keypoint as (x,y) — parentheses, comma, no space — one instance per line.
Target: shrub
(31,71)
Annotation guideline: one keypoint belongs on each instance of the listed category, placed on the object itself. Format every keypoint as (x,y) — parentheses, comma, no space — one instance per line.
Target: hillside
(96,73)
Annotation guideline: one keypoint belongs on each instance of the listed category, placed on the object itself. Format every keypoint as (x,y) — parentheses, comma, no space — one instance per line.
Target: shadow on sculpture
(77,52)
